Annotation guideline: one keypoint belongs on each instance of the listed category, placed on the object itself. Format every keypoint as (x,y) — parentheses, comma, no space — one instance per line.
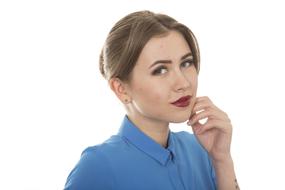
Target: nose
(181,82)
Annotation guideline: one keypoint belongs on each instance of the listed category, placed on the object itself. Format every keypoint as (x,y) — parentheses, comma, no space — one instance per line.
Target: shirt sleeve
(92,172)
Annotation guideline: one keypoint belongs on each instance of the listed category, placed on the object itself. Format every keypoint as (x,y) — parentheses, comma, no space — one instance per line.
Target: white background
(54,103)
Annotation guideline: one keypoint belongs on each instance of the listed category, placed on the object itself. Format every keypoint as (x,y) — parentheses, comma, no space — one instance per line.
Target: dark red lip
(182,102)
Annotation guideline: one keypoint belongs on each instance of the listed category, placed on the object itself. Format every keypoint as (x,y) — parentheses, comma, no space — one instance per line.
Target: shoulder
(101,152)
(93,170)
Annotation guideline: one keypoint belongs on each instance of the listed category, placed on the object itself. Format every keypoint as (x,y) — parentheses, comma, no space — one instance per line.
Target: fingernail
(190,122)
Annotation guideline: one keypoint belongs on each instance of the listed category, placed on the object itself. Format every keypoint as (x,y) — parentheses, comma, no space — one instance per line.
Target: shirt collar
(143,142)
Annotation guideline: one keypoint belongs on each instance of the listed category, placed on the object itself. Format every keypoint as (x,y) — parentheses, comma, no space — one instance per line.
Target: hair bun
(101,64)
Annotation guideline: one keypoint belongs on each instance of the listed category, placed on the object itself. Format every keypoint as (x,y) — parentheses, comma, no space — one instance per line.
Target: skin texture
(147,99)
(151,95)
(215,135)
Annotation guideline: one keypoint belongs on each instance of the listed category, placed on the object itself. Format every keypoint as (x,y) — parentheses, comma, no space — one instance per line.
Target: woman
(151,63)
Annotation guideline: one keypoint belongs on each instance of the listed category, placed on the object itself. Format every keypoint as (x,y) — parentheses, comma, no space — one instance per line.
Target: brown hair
(127,38)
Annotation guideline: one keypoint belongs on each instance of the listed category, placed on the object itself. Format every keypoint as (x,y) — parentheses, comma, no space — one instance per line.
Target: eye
(187,63)
(159,70)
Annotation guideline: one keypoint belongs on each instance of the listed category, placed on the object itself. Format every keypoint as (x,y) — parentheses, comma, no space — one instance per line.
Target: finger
(203,98)
(202,105)
(213,124)
(196,127)
(208,113)
(198,116)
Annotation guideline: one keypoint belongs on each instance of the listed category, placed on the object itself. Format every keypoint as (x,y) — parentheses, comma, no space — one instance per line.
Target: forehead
(171,46)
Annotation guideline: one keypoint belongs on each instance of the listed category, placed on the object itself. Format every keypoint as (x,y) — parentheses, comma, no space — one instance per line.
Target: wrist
(223,160)
(225,174)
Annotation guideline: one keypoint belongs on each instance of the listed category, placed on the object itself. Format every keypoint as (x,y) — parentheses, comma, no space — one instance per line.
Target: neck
(155,129)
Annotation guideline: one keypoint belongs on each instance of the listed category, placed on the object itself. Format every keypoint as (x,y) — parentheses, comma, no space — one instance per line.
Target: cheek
(151,93)
(193,78)
(194,81)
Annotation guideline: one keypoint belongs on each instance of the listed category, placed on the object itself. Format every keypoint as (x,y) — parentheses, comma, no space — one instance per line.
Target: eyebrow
(169,61)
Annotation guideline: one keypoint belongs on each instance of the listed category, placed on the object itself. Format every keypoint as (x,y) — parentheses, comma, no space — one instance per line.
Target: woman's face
(153,87)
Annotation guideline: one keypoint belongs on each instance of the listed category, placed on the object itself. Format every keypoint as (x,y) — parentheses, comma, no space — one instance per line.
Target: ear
(120,89)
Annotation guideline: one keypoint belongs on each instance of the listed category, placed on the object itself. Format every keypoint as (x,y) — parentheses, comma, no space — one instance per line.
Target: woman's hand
(216,133)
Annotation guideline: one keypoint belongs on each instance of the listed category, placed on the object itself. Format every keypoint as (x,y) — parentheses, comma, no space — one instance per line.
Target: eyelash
(157,71)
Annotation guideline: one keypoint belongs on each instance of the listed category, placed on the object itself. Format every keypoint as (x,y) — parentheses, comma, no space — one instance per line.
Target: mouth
(182,102)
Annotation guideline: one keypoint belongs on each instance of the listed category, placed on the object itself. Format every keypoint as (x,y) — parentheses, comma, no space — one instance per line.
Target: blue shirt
(131,160)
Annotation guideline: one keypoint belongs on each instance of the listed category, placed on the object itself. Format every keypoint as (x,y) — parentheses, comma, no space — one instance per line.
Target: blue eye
(159,70)
(187,63)
(162,69)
